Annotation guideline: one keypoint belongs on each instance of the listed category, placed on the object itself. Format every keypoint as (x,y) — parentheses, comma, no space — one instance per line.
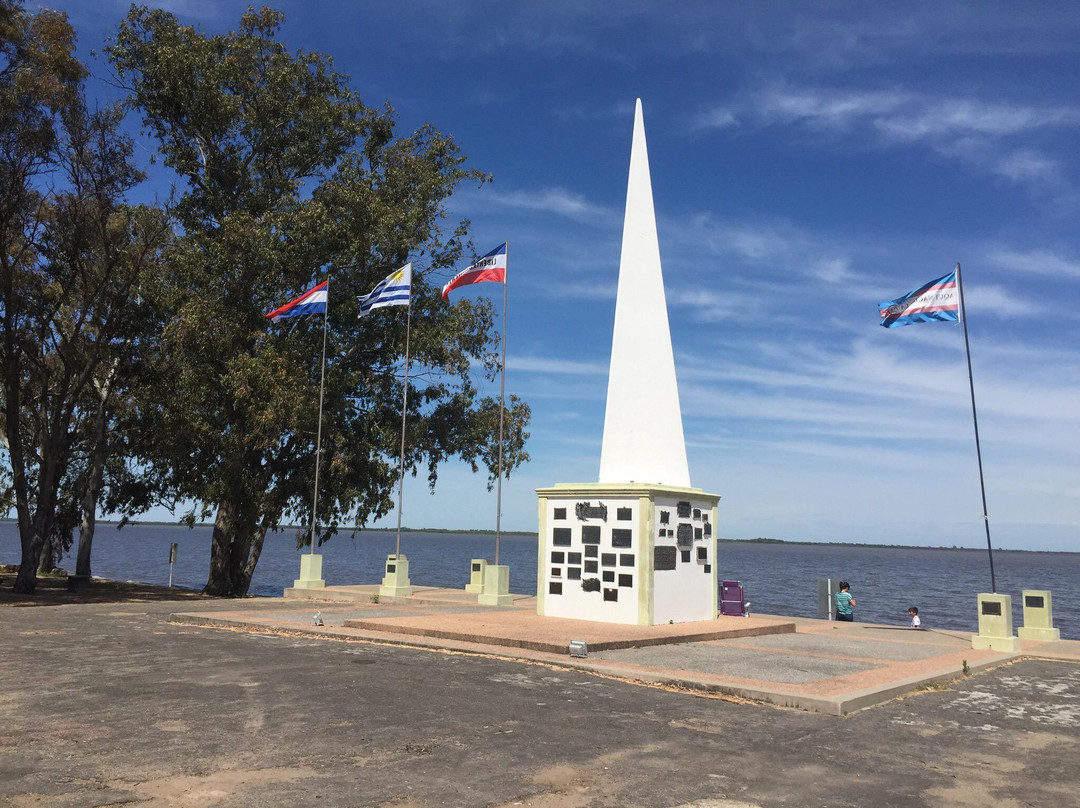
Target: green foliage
(291,179)
(71,258)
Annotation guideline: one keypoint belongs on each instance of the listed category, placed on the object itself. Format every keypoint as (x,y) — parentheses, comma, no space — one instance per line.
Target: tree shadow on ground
(54,591)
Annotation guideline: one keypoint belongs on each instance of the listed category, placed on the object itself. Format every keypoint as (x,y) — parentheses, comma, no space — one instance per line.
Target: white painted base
(310,573)
(496,586)
(1009,645)
(1040,634)
(628,553)
(395,584)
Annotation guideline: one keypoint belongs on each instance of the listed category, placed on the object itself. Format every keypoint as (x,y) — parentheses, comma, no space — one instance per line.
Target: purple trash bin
(733,600)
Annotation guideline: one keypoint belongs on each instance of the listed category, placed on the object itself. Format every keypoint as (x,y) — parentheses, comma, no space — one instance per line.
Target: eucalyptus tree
(73,254)
(287,179)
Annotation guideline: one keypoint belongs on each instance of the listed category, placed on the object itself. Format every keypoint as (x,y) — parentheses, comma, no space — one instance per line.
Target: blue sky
(808,161)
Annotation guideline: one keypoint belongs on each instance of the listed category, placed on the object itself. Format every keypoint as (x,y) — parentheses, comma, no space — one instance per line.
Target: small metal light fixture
(578,648)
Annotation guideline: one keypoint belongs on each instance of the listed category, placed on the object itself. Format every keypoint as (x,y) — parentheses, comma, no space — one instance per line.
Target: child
(913,613)
(844,602)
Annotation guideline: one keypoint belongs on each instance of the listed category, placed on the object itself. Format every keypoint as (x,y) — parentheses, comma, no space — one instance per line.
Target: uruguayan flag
(393,290)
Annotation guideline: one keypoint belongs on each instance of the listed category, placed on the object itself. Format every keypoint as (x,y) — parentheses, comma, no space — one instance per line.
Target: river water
(780,579)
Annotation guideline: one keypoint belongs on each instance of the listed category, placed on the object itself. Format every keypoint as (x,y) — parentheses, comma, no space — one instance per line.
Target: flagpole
(318,438)
(502,410)
(404,406)
(975,420)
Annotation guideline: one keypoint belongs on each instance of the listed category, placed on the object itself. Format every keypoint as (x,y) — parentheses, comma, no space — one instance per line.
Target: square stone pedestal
(310,573)
(995,624)
(477,569)
(496,586)
(395,584)
(627,553)
(1038,617)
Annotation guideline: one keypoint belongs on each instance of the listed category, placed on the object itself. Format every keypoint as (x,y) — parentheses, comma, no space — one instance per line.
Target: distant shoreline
(533,535)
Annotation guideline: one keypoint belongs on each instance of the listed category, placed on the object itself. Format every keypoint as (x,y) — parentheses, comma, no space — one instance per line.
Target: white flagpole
(318,438)
(975,420)
(404,405)
(502,409)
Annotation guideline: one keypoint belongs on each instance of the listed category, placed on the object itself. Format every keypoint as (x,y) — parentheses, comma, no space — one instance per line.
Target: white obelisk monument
(639,546)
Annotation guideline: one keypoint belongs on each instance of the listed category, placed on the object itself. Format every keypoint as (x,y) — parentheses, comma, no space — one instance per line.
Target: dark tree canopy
(289,179)
(71,260)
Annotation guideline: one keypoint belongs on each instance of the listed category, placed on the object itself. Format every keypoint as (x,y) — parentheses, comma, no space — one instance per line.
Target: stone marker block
(995,624)
(310,573)
(395,584)
(1038,617)
(477,569)
(496,586)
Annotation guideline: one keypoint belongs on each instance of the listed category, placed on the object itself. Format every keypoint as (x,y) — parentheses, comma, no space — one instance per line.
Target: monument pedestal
(395,583)
(1038,617)
(310,573)
(496,586)
(477,570)
(633,553)
(995,624)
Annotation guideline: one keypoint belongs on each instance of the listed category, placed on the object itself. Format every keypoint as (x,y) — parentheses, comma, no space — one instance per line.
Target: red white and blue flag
(313,301)
(492,267)
(935,301)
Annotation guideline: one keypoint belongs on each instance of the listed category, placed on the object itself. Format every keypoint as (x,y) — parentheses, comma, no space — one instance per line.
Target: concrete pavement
(108,704)
(834,668)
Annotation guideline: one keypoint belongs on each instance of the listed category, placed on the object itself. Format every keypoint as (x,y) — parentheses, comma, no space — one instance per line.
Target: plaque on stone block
(559,513)
(664,517)
(590,585)
(664,558)
(684,534)
(560,536)
(621,537)
(590,534)
(624,514)
(607,559)
(586,510)
(683,509)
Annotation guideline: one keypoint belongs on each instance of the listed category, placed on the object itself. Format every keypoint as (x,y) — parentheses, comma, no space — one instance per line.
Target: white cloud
(996,300)
(978,132)
(539,364)
(556,201)
(1036,262)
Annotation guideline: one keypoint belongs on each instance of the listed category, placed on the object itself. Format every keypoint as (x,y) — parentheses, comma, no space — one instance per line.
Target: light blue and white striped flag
(393,290)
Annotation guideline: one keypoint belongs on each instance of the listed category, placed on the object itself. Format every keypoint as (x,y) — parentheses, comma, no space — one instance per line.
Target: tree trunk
(90,498)
(234,552)
(47,557)
(32,539)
